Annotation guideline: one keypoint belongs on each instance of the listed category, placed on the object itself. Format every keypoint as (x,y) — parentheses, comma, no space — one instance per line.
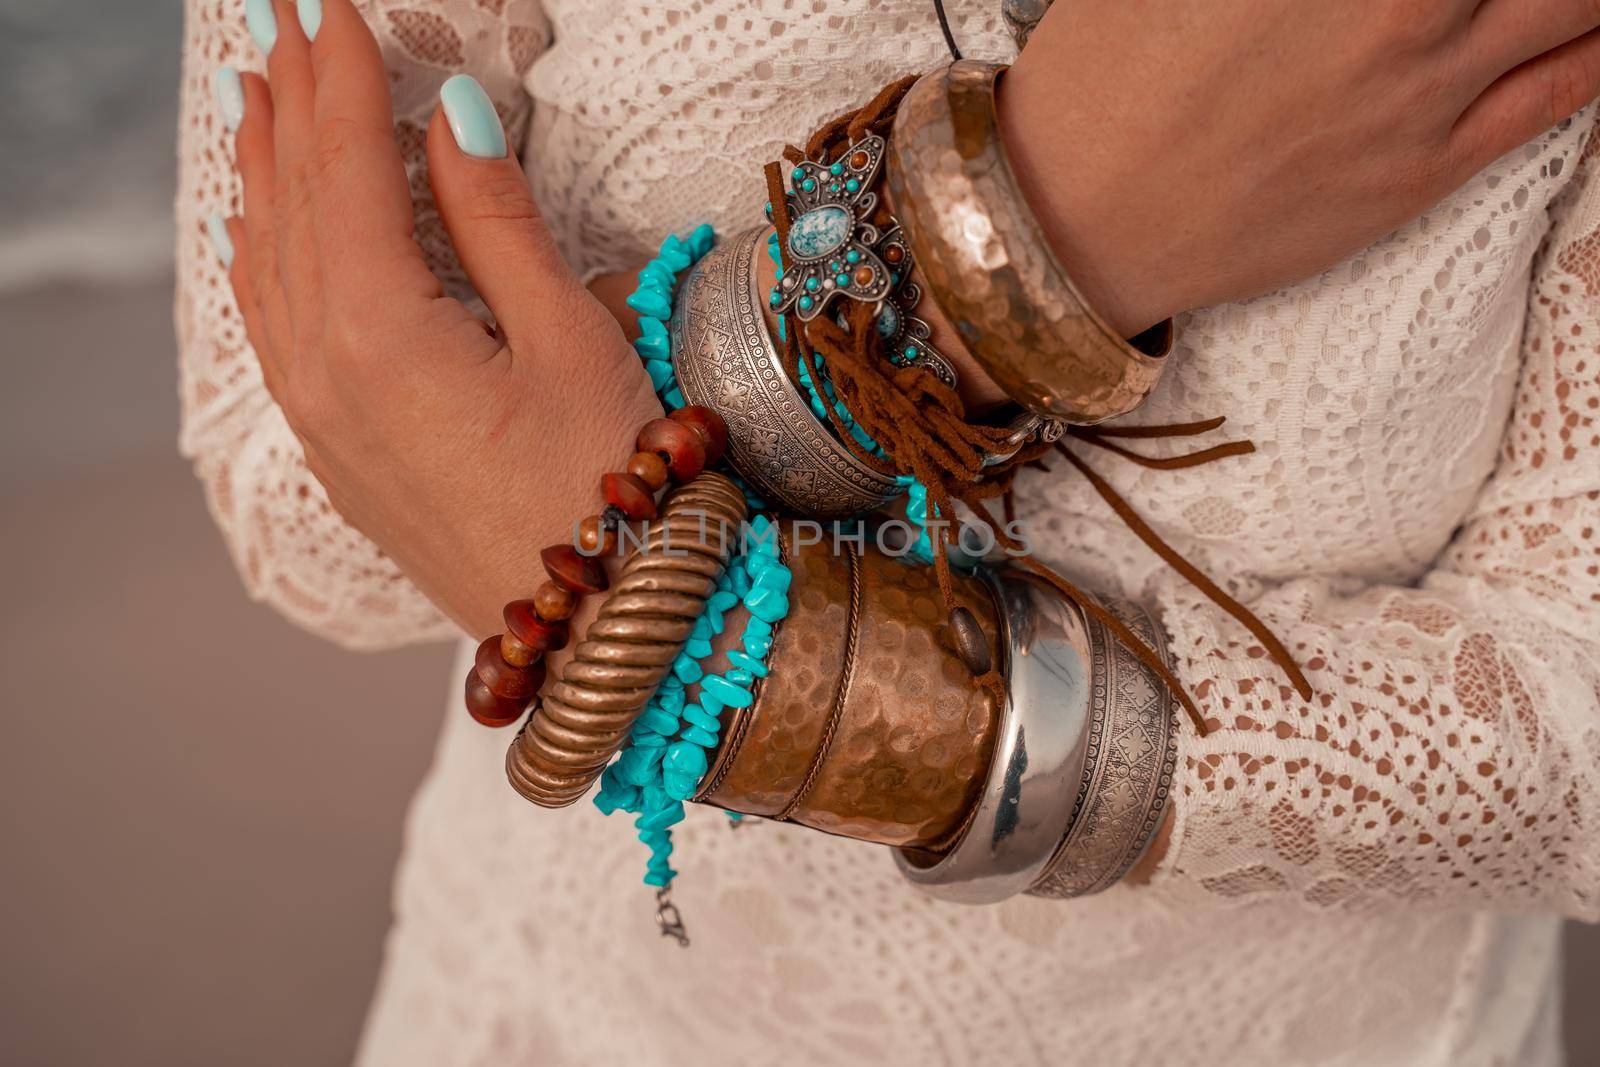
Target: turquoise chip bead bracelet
(668,751)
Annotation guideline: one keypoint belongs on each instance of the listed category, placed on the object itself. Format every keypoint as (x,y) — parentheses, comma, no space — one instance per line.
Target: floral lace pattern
(1418,523)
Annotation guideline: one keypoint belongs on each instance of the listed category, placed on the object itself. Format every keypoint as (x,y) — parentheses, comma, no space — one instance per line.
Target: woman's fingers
(232,242)
(1507,33)
(484,199)
(255,159)
(293,99)
(1524,103)
(362,203)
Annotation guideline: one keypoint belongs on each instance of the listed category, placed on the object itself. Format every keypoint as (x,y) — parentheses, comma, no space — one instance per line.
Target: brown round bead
(514,652)
(553,602)
(503,679)
(971,645)
(712,430)
(577,572)
(541,635)
(894,254)
(678,444)
(649,468)
(859,160)
(487,708)
(630,493)
(595,538)
(864,276)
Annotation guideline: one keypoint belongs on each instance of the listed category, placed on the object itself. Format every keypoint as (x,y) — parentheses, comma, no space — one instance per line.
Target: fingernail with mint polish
(218,229)
(230,96)
(310,17)
(262,23)
(472,118)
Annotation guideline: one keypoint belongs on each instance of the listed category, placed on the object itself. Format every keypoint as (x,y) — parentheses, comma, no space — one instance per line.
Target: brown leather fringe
(922,428)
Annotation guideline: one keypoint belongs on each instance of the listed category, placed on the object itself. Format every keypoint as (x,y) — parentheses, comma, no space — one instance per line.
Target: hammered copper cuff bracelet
(988,266)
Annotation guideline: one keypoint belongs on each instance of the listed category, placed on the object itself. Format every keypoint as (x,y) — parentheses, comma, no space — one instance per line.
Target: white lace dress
(1374,877)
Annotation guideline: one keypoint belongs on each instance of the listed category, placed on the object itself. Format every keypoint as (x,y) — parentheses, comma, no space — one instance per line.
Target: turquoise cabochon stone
(820,231)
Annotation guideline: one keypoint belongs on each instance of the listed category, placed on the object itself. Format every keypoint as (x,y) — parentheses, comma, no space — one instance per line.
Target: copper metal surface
(640,629)
(987,264)
(869,724)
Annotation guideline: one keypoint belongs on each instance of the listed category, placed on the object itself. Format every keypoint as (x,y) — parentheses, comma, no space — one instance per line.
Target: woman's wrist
(1066,164)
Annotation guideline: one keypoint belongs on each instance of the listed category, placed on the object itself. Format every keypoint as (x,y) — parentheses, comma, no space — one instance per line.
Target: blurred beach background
(199,817)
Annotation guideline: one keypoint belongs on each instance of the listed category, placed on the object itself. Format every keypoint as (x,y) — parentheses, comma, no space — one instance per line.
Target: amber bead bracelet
(509,670)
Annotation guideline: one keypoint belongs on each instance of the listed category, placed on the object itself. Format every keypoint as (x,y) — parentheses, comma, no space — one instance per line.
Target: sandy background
(200,811)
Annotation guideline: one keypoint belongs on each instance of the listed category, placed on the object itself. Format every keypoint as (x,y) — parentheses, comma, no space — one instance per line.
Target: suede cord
(922,428)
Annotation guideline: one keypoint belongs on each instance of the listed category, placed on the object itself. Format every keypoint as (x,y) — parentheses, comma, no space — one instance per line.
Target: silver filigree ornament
(835,251)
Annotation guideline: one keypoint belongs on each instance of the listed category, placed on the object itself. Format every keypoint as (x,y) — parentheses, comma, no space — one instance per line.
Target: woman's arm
(1451,755)
(292,549)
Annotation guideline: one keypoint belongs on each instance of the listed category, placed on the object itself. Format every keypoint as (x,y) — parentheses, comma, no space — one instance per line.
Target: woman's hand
(1183,154)
(460,452)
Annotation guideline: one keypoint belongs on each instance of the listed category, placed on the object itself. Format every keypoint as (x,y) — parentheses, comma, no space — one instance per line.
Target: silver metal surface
(725,358)
(1035,779)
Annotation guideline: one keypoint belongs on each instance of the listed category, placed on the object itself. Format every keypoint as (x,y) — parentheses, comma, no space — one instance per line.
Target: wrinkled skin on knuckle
(333,144)
(292,197)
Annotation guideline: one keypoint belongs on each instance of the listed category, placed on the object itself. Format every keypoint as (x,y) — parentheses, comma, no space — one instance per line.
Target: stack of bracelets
(1003,730)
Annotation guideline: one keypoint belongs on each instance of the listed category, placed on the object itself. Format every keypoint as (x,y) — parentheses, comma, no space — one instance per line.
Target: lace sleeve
(1451,754)
(291,548)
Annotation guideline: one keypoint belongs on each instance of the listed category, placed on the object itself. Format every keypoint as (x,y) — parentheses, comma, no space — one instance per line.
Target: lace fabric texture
(1371,877)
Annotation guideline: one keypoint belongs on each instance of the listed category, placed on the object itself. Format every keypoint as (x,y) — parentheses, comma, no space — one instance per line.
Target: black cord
(944,26)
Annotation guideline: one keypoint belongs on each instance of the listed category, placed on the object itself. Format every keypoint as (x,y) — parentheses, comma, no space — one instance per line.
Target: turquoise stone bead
(809,185)
(757,646)
(608,802)
(776,577)
(656,274)
(686,760)
(820,231)
(805,303)
(741,583)
(660,371)
(674,254)
(637,766)
(662,817)
(657,720)
(735,696)
(652,328)
(646,739)
(812,285)
(710,703)
(775,299)
(697,648)
(842,280)
(739,676)
(746,662)
(701,238)
(702,629)
(852,256)
(836,170)
(798,174)
(670,700)
(852,185)
(722,601)
(703,738)
(686,668)
(673,398)
(695,715)
(660,878)
(758,627)
(652,303)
